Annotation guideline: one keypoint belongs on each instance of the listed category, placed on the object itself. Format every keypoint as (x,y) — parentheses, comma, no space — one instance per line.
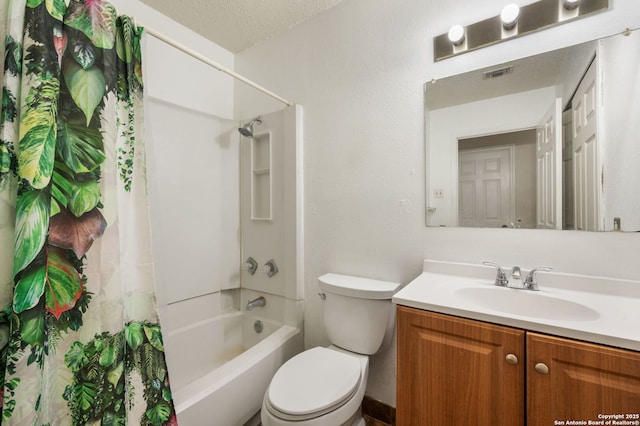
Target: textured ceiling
(239,24)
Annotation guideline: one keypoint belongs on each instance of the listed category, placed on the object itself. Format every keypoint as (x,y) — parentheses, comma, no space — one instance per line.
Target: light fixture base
(532,17)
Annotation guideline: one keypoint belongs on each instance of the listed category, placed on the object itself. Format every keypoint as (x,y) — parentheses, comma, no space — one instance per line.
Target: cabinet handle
(511,359)
(542,368)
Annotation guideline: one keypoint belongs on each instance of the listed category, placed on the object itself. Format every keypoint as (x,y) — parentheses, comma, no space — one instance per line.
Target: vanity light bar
(513,22)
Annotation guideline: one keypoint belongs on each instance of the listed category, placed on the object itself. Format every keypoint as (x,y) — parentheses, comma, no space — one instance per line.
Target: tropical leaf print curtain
(80,341)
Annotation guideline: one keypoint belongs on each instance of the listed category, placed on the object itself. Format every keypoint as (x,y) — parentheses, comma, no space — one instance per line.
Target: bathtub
(220,368)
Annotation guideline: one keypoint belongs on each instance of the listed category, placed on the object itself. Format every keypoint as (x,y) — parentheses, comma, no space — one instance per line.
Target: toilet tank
(358,313)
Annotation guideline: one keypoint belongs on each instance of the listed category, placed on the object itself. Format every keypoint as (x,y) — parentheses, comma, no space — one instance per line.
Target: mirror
(550,141)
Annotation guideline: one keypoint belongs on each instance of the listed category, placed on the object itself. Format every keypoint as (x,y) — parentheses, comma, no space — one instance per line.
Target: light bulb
(570,4)
(456,35)
(509,16)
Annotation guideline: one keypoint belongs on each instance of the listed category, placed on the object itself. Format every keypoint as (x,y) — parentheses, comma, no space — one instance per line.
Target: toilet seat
(313,383)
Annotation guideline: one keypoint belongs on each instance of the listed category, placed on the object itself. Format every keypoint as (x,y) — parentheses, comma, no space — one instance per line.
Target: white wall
(358,70)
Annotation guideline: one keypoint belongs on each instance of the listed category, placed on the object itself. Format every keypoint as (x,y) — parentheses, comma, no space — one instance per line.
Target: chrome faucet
(256,303)
(501,277)
(530,282)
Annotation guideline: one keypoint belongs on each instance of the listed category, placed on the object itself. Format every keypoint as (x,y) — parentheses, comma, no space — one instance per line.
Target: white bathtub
(220,368)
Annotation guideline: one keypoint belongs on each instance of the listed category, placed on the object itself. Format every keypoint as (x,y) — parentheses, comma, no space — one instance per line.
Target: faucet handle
(269,268)
(250,265)
(530,282)
(501,277)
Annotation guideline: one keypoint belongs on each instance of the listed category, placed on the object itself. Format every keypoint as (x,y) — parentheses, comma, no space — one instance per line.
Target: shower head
(247,129)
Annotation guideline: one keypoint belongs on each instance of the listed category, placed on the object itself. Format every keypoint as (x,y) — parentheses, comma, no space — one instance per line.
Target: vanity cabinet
(572,380)
(454,371)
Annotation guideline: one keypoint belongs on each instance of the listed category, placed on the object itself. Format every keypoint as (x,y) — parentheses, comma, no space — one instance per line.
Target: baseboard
(377,413)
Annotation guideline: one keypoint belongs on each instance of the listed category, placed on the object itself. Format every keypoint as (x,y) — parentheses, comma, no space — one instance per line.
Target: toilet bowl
(325,386)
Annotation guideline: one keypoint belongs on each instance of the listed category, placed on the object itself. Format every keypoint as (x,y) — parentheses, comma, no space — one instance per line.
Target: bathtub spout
(255,303)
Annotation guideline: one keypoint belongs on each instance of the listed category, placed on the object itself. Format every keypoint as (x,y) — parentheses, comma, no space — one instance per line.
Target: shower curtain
(80,340)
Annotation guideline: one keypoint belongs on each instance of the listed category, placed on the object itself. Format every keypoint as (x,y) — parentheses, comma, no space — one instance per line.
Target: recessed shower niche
(261,176)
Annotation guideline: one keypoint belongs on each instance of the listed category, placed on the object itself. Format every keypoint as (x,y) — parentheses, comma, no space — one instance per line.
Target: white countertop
(593,309)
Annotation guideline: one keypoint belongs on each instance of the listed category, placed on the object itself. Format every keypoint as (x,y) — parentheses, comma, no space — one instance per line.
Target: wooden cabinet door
(583,381)
(453,371)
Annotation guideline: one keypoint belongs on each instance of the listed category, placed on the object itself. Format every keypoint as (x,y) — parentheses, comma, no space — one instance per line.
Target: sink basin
(594,309)
(526,303)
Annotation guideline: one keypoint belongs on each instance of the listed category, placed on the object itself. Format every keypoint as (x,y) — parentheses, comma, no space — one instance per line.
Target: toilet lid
(313,381)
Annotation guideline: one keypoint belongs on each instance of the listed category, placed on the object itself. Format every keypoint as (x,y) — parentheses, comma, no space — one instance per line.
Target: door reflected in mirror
(550,141)
(496,176)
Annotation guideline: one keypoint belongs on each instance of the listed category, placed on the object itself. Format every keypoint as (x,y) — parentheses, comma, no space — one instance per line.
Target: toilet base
(357,419)
(359,422)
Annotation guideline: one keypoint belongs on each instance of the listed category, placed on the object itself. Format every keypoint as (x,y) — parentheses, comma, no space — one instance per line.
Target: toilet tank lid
(363,288)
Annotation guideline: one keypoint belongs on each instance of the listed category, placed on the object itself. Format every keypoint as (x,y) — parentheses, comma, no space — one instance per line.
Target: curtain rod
(215,65)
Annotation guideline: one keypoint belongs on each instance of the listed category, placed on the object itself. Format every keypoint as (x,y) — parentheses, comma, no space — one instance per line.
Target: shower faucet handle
(250,265)
(269,268)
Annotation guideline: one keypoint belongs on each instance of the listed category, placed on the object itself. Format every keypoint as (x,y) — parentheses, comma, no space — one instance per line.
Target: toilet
(325,386)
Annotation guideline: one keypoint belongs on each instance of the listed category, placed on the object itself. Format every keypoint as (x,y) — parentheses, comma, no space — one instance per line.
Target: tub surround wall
(189,106)
(201,308)
(282,309)
(276,237)
(359,70)
(193,182)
